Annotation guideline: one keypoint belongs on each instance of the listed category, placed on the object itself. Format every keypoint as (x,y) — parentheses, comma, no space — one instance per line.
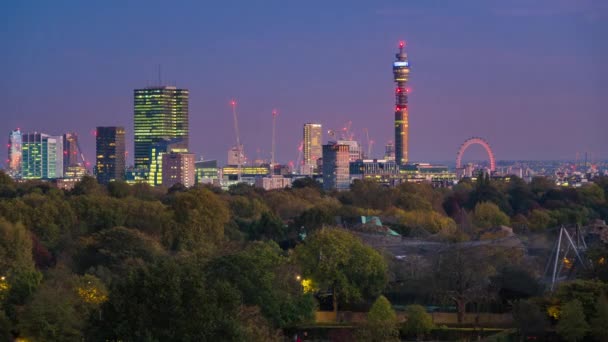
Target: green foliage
(200,217)
(539,220)
(599,321)
(263,277)
(587,292)
(418,322)
(429,220)
(572,325)
(337,260)
(488,215)
(170,301)
(529,318)
(381,322)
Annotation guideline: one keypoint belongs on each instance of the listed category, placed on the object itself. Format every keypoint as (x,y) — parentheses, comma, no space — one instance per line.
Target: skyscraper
(110,147)
(42,156)
(401,73)
(178,168)
(70,150)
(14,153)
(313,140)
(160,113)
(336,175)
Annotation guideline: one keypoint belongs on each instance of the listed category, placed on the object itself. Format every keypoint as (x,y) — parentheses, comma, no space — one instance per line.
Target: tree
(200,217)
(337,260)
(529,318)
(171,300)
(381,322)
(539,220)
(418,322)
(263,278)
(572,325)
(599,321)
(463,277)
(488,215)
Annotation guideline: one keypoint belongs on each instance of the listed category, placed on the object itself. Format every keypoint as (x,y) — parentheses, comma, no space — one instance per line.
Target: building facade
(312,147)
(42,156)
(71,152)
(206,172)
(110,160)
(178,168)
(401,74)
(336,167)
(14,154)
(160,113)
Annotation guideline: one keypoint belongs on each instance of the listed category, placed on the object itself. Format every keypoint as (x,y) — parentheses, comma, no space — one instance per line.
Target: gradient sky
(528,76)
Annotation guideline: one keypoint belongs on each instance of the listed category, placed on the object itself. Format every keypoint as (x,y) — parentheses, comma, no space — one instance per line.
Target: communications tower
(401,73)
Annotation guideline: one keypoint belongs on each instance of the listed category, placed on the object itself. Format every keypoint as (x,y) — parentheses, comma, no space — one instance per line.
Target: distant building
(110,155)
(178,168)
(233,155)
(312,147)
(336,167)
(155,174)
(160,113)
(206,172)
(401,75)
(42,156)
(273,182)
(71,152)
(354,149)
(389,151)
(14,153)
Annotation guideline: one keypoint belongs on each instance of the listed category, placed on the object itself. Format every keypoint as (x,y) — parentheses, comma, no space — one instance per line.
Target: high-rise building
(312,147)
(401,73)
(389,151)
(42,156)
(14,153)
(155,173)
(110,161)
(336,167)
(110,151)
(70,150)
(160,113)
(178,168)
(354,149)
(206,172)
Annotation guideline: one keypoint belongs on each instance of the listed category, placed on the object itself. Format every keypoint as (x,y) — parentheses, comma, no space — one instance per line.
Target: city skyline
(481,84)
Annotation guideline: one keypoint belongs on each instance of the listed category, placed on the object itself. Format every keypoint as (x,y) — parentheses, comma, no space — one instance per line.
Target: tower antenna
(239,148)
(274,124)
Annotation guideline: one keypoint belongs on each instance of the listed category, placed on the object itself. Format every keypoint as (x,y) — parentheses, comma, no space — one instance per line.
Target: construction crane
(300,148)
(239,148)
(274,124)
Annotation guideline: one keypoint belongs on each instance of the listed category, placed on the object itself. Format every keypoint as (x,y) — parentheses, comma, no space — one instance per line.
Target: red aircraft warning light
(401,44)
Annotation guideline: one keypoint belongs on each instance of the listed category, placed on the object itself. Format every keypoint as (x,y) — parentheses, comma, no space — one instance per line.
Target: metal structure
(370,143)
(239,147)
(476,141)
(561,258)
(401,73)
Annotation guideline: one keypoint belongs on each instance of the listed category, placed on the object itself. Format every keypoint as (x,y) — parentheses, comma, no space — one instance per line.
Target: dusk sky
(528,76)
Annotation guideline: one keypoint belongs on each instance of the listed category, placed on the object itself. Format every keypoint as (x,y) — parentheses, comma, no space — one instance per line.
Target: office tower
(389,151)
(110,147)
(178,168)
(160,113)
(14,154)
(313,140)
(401,73)
(42,156)
(336,167)
(354,149)
(155,173)
(206,172)
(70,150)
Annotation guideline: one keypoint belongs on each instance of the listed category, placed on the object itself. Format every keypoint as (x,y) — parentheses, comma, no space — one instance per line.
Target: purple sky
(526,75)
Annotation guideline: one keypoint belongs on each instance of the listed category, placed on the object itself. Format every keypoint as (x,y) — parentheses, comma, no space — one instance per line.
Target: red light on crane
(401,44)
